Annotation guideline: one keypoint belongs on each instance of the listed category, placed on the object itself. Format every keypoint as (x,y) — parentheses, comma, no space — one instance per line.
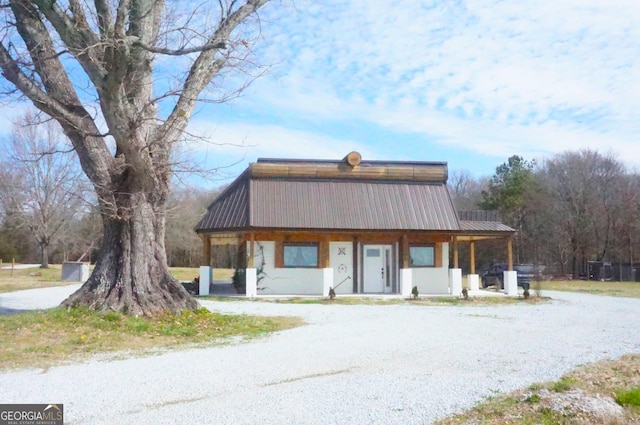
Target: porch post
(251,279)
(455,274)
(206,250)
(205,280)
(455,281)
(510,282)
(327,271)
(473,280)
(405,252)
(510,276)
(406,282)
(406,274)
(327,281)
(205,275)
(455,252)
(356,265)
(472,253)
(251,274)
(251,250)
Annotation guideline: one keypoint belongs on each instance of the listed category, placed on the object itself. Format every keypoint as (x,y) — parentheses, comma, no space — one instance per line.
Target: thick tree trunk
(131,274)
(44,259)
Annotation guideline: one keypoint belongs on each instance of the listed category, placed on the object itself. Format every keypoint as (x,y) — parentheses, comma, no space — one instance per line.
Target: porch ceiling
(475,238)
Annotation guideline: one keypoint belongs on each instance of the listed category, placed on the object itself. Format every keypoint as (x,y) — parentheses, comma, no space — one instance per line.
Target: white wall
(341,261)
(290,281)
(432,280)
(283,281)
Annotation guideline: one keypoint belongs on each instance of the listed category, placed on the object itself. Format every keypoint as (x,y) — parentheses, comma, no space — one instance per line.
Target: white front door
(376,269)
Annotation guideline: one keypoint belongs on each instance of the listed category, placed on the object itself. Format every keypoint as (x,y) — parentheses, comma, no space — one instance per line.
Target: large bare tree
(585,188)
(47,183)
(94,67)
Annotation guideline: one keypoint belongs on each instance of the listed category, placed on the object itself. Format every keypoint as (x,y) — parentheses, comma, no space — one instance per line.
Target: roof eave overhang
(460,234)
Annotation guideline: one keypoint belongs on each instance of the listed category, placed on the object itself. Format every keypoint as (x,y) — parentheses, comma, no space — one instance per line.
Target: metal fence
(617,272)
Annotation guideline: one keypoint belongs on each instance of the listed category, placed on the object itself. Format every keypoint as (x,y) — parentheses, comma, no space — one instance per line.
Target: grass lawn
(31,278)
(39,278)
(618,289)
(188,273)
(565,401)
(48,337)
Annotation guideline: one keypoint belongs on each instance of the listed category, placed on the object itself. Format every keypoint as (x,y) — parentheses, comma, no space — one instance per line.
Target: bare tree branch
(181,51)
(78,37)
(203,69)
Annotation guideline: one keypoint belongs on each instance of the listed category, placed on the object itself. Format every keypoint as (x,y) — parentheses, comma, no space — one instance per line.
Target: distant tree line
(48,214)
(574,207)
(569,209)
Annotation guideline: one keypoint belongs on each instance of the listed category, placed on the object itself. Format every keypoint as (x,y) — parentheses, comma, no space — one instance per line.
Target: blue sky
(467,82)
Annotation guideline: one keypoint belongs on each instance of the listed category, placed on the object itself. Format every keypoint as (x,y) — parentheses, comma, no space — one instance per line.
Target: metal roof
(351,205)
(328,195)
(230,210)
(484,226)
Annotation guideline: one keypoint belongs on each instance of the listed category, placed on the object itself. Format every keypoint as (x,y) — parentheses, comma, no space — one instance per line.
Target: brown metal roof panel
(350,205)
(447,205)
(484,226)
(229,210)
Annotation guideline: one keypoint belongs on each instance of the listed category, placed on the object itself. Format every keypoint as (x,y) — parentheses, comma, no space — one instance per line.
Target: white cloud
(233,142)
(488,76)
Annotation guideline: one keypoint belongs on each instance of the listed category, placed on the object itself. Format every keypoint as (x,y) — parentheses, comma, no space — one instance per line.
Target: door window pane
(373,252)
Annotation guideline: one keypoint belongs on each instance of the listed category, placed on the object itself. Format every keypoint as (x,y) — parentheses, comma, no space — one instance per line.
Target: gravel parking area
(356,364)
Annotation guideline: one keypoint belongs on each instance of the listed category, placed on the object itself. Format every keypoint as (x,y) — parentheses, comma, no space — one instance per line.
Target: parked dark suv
(495,275)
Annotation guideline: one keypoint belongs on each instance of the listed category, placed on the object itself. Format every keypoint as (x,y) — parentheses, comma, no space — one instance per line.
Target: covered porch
(351,263)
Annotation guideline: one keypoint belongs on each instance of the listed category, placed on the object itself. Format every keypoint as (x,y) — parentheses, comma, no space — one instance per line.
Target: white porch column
(474,282)
(205,280)
(327,281)
(455,282)
(251,278)
(406,282)
(511,282)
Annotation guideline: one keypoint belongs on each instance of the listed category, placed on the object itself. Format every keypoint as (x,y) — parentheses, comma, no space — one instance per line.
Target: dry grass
(45,338)
(608,378)
(31,278)
(40,278)
(617,289)
(188,273)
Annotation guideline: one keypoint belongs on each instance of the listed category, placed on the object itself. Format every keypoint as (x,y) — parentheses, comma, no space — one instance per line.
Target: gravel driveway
(394,364)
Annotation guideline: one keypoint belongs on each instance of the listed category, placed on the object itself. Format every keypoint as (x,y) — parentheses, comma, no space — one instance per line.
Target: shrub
(414,292)
(564,384)
(629,397)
